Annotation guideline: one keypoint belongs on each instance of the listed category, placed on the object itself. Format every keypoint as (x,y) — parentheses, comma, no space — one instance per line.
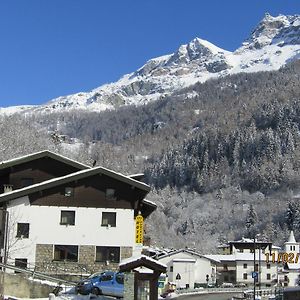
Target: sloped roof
(69,178)
(191,252)
(143,260)
(235,257)
(291,239)
(42,154)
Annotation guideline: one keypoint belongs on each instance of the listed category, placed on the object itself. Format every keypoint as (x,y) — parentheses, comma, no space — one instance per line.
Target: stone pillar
(126,252)
(87,256)
(129,286)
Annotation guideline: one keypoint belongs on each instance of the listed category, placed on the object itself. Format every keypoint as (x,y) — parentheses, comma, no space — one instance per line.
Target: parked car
(227,285)
(109,284)
(240,284)
(84,286)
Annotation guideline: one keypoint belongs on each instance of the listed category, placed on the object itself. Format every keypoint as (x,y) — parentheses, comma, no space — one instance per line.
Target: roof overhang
(71,177)
(42,154)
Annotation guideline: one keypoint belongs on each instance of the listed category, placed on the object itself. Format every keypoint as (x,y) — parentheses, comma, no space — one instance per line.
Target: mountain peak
(272,44)
(280,30)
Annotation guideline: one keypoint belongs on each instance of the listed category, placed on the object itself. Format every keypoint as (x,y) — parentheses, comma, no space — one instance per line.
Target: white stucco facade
(267,272)
(192,268)
(45,228)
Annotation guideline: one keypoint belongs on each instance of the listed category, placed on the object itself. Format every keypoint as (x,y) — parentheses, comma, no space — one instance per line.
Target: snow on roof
(44,153)
(235,257)
(184,260)
(189,251)
(144,257)
(143,270)
(67,178)
(276,247)
(291,239)
(149,202)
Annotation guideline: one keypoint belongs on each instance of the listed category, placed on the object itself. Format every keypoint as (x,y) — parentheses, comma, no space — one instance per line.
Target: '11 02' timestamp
(285,257)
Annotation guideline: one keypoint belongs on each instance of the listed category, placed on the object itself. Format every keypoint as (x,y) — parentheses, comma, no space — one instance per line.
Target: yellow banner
(139,229)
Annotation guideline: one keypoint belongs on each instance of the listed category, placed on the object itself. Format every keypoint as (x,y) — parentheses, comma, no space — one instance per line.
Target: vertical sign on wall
(139,229)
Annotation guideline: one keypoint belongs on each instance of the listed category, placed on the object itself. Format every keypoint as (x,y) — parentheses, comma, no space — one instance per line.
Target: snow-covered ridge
(273,43)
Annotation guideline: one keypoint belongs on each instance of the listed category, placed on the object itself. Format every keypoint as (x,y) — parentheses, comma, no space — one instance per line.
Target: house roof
(236,257)
(291,239)
(69,178)
(143,260)
(42,154)
(191,252)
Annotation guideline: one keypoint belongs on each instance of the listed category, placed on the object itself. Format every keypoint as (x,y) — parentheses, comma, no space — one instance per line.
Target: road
(208,297)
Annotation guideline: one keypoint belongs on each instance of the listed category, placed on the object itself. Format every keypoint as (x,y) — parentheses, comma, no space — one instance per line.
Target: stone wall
(86,261)
(18,285)
(126,252)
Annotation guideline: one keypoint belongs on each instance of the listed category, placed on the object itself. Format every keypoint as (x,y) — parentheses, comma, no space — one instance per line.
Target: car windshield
(95,275)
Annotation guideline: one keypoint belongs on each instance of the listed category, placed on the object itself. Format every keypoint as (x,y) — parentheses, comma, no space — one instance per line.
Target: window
(67,217)
(268,276)
(107,254)
(66,252)
(245,276)
(291,248)
(107,277)
(23,230)
(268,266)
(171,268)
(225,267)
(256,268)
(245,266)
(109,219)
(69,192)
(20,263)
(110,193)
(26,182)
(226,278)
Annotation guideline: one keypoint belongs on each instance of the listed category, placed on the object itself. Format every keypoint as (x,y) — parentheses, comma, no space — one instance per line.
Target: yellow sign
(139,229)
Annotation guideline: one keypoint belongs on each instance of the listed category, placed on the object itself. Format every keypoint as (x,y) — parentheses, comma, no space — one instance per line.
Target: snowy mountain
(272,44)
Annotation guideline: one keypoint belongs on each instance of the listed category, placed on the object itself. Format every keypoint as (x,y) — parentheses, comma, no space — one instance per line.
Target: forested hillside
(214,153)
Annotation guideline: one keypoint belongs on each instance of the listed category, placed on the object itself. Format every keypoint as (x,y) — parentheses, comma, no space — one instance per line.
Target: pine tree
(291,215)
(251,221)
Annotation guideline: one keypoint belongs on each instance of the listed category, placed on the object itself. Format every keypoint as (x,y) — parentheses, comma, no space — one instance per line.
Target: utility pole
(5,249)
(254,277)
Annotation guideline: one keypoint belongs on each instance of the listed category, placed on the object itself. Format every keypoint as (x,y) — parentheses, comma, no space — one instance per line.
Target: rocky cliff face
(271,45)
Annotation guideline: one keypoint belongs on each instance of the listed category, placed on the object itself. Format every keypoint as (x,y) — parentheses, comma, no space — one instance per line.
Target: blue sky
(50,48)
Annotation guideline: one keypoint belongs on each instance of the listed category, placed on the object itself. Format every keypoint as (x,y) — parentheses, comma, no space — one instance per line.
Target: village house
(237,266)
(61,216)
(189,269)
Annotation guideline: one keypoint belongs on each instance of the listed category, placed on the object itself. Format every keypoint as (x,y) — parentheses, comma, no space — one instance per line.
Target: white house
(75,219)
(237,266)
(187,268)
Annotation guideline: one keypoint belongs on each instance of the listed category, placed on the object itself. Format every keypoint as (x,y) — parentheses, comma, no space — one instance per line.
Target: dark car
(84,286)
